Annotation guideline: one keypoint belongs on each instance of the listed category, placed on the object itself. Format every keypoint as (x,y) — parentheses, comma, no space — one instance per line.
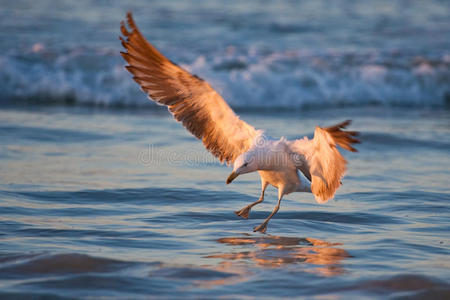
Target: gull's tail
(327,166)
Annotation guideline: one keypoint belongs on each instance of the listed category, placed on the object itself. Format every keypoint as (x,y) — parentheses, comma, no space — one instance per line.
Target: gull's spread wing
(191,100)
(320,160)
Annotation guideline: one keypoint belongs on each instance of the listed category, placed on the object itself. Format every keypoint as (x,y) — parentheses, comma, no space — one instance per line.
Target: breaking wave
(245,78)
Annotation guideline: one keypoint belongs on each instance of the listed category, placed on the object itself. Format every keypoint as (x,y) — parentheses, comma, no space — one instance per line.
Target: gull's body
(301,165)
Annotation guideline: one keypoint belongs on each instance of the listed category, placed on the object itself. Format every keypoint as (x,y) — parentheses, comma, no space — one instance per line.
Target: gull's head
(244,163)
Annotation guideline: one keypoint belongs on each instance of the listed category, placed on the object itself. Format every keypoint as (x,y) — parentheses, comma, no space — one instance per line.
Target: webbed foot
(261,228)
(243,212)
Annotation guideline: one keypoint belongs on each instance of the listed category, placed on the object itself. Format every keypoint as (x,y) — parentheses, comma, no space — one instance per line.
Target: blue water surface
(102,194)
(126,204)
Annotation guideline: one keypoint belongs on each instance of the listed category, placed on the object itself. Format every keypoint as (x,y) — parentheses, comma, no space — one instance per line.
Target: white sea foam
(245,78)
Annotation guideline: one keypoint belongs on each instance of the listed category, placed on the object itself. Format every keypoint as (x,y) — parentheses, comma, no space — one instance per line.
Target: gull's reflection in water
(312,255)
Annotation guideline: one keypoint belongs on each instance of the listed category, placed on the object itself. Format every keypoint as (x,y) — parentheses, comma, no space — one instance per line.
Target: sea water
(102,194)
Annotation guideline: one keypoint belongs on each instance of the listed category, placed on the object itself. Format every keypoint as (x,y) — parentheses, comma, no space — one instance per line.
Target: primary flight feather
(202,111)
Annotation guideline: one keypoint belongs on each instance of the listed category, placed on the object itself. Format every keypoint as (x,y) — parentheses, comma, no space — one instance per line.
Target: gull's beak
(232,176)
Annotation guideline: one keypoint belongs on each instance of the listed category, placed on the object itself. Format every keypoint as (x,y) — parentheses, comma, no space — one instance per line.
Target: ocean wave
(245,78)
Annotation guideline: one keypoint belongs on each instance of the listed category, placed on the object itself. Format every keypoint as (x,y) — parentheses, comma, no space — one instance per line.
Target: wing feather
(190,99)
(320,160)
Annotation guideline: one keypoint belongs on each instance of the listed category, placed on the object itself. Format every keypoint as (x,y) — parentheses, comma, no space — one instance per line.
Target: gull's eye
(245,164)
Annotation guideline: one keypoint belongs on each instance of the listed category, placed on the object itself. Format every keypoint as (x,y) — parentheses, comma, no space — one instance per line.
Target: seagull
(303,165)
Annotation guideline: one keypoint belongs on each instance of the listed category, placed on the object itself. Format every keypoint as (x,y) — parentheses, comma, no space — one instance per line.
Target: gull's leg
(263,227)
(246,210)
